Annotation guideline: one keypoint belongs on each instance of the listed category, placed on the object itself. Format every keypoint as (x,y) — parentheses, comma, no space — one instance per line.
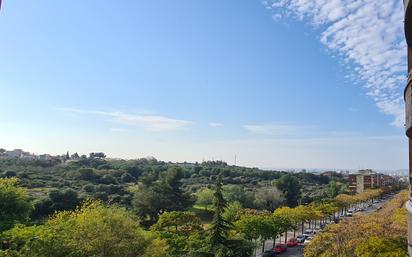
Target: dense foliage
(14,204)
(93,206)
(92,230)
(379,234)
(142,184)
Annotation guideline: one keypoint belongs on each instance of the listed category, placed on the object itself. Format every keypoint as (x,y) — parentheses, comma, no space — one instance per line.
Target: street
(297,251)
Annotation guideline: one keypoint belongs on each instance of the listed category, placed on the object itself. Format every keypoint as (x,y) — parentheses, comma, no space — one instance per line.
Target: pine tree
(219,228)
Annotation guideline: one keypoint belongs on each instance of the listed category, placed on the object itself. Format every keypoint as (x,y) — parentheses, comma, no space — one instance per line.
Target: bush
(9,174)
(101,196)
(89,188)
(127,178)
(14,204)
(107,179)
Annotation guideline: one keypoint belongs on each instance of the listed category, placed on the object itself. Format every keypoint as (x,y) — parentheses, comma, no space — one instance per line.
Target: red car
(292,242)
(280,248)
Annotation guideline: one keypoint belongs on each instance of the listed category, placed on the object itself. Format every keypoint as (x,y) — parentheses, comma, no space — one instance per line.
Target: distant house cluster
(20,154)
(368,179)
(23,155)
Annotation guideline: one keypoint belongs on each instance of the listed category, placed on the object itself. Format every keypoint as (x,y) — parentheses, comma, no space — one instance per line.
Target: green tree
(233,212)
(127,178)
(56,201)
(161,196)
(205,197)
(335,188)
(178,229)
(180,223)
(255,227)
(14,203)
(268,198)
(219,228)
(290,187)
(93,230)
(236,193)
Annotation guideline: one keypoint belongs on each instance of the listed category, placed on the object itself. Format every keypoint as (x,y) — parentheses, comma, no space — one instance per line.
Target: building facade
(367,179)
(408,106)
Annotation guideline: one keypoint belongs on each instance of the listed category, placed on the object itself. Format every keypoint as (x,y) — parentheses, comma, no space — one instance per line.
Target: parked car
(308,240)
(292,242)
(300,238)
(308,232)
(280,248)
(317,231)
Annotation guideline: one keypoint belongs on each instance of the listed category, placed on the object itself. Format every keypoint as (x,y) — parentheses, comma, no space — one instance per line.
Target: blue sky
(188,80)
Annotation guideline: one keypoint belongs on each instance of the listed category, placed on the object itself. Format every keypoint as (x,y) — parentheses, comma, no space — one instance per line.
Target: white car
(308,240)
(317,231)
(308,233)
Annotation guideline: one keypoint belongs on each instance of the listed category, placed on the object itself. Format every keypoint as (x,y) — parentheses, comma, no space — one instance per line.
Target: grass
(204,214)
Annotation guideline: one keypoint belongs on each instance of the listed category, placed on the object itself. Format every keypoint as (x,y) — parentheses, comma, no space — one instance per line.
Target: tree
(381,233)
(205,197)
(268,198)
(219,228)
(14,203)
(233,212)
(93,230)
(291,215)
(87,174)
(161,196)
(99,155)
(258,226)
(236,193)
(177,229)
(180,223)
(290,187)
(382,247)
(220,242)
(127,178)
(56,200)
(107,179)
(335,188)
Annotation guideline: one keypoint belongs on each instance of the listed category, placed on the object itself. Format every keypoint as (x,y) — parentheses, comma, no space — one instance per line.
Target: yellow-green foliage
(361,235)
(92,230)
(382,247)
(14,203)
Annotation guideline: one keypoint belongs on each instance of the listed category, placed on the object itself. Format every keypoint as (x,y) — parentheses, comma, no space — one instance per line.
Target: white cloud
(150,122)
(215,124)
(367,36)
(118,129)
(274,129)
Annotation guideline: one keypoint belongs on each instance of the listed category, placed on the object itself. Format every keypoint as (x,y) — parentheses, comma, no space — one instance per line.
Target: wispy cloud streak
(367,35)
(150,122)
(215,124)
(275,129)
